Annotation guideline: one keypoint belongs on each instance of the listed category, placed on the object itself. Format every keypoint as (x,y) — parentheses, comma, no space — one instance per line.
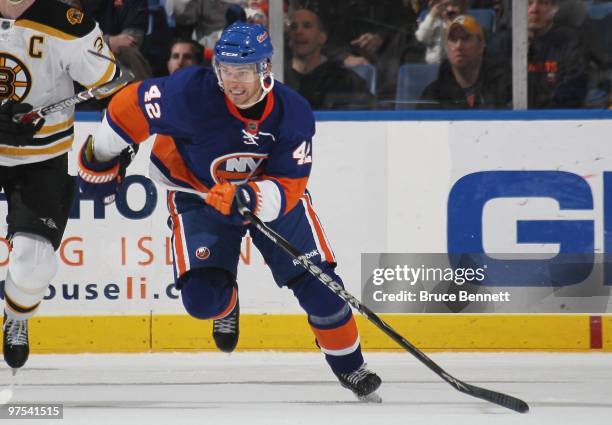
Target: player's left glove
(222,197)
(102,179)
(16,133)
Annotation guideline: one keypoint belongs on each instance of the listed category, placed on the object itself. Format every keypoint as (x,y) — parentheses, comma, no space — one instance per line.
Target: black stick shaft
(500,399)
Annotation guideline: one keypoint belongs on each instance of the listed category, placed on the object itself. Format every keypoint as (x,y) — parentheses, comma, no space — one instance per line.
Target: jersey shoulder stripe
(56,19)
(125,116)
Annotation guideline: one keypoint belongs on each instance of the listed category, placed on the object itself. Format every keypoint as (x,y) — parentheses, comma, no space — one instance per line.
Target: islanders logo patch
(202,253)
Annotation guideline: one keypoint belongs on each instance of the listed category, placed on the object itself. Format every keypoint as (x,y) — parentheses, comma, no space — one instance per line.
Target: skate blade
(14,370)
(373,397)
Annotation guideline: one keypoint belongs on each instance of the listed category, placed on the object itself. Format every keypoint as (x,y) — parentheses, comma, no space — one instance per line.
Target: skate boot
(363,383)
(16,347)
(226,330)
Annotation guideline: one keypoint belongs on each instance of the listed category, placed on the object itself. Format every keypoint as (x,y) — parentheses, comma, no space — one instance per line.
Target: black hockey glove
(16,133)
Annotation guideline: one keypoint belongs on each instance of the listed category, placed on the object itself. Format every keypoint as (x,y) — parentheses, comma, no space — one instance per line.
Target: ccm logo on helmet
(237,167)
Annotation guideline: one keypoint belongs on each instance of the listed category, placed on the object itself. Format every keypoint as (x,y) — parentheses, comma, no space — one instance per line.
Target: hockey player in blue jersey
(220,134)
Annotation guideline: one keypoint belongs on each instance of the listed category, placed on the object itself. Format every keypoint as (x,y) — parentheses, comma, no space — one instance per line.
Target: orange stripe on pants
(229,307)
(338,338)
(179,254)
(320,235)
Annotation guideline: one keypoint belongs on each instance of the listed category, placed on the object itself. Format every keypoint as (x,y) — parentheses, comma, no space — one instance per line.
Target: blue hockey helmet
(243,44)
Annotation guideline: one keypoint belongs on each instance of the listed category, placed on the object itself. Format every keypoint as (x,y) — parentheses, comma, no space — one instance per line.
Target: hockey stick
(83,96)
(500,399)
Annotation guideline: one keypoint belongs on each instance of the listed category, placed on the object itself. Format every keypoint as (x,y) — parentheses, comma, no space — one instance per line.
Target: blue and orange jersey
(202,139)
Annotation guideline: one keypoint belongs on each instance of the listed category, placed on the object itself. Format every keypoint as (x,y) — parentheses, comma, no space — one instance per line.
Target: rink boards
(279,332)
(377,186)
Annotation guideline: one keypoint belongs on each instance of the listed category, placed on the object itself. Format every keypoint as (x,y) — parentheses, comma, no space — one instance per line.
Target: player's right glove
(102,179)
(16,133)
(222,197)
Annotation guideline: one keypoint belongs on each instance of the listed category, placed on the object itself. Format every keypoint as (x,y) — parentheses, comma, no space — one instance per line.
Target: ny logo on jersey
(237,167)
(253,138)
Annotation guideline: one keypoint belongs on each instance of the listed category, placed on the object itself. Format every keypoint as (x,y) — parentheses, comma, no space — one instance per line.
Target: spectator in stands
(359,30)
(257,12)
(201,20)
(325,83)
(378,33)
(557,59)
(468,78)
(123,23)
(573,13)
(432,31)
(184,53)
(418,6)
(235,13)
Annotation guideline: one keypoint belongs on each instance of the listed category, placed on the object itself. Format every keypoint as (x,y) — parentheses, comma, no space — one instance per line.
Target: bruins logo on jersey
(74,16)
(15,79)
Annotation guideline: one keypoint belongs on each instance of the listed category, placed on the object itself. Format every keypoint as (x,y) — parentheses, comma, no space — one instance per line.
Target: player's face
(181,55)
(464,48)
(305,35)
(241,83)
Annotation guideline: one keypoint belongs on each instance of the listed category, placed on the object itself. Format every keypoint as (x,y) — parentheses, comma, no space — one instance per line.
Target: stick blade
(500,399)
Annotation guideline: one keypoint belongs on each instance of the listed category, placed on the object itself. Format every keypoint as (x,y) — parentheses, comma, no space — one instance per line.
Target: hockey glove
(16,133)
(102,180)
(222,197)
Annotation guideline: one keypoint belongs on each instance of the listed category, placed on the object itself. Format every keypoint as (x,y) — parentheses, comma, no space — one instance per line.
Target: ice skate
(226,330)
(363,383)
(16,347)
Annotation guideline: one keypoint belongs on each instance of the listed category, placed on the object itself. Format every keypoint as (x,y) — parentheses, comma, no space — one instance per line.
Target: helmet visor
(241,73)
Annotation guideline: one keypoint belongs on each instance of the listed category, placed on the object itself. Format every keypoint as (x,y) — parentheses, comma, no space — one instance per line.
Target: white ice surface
(280,388)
